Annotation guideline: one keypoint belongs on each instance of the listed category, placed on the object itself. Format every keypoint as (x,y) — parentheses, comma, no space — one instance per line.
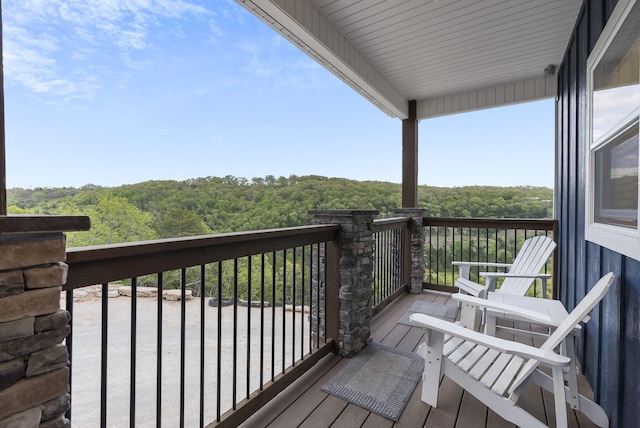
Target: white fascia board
(302,23)
(504,94)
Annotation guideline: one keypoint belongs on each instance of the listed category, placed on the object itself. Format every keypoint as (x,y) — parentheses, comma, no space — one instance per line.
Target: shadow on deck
(304,404)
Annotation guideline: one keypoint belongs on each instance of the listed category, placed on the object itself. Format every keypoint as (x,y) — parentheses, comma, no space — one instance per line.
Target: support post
(353,284)
(414,258)
(3,162)
(410,158)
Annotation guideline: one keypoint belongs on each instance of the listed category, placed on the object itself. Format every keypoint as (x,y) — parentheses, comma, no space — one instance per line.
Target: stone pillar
(34,372)
(355,275)
(417,246)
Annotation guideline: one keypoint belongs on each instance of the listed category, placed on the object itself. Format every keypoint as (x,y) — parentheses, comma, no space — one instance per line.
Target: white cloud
(56,46)
(274,59)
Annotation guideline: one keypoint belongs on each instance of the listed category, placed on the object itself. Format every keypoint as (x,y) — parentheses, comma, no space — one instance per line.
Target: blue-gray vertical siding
(610,346)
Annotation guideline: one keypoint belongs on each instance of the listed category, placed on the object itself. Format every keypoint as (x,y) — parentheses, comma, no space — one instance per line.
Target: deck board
(376,421)
(326,413)
(352,416)
(304,404)
(449,399)
(472,412)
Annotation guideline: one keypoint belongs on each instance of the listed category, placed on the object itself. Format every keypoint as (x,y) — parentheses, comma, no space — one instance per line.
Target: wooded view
(165,209)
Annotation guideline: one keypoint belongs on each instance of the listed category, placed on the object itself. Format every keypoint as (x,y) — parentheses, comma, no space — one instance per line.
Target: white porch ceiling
(449,55)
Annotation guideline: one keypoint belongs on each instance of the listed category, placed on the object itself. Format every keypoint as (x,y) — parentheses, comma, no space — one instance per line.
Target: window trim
(623,240)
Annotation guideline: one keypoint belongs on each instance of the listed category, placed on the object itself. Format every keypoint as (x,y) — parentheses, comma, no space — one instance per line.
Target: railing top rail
(97,252)
(20,223)
(382,224)
(493,223)
(105,263)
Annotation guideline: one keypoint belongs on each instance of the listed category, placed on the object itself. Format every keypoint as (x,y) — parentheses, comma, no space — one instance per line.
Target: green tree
(180,222)
(114,220)
(12,209)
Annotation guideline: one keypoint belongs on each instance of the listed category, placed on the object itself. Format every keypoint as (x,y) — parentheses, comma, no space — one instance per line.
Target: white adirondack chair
(521,273)
(496,371)
(546,314)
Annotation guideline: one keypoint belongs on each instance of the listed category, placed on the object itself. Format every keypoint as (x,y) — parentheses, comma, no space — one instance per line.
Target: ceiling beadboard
(431,51)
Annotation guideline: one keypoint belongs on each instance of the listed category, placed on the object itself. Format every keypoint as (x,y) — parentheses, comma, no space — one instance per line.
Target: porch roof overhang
(450,56)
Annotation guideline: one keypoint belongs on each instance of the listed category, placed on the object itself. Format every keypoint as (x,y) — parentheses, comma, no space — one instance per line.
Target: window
(616,180)
(614,106)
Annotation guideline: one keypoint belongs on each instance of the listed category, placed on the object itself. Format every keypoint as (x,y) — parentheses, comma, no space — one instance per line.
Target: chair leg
(572,375)
(559,397)
(431,351)
(490,325)
(470,316)
(590,409)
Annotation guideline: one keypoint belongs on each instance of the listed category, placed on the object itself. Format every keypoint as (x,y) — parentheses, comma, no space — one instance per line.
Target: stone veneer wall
(417,246)
(356,276)
(34,373)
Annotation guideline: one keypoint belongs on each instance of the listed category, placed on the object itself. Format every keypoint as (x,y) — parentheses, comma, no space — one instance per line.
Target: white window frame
(624,240)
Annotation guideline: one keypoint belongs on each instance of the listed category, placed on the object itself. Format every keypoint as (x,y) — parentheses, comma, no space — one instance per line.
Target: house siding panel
(610,344)
(596,23)
(581,283)
(591,335)
(610,328)
(563,187)
(609,5)
(572,152)
(630,390)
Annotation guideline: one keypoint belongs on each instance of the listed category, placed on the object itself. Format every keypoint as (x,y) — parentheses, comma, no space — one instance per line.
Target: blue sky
(112,92)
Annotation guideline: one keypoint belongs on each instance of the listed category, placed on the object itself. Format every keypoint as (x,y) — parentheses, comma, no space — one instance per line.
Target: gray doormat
(378,378)
(446,312)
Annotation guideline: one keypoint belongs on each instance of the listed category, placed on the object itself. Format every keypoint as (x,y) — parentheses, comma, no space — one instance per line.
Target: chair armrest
(507,309)
(492,277)
(501,345)
(464,268)
(514,275)
(488,264)
(471,287)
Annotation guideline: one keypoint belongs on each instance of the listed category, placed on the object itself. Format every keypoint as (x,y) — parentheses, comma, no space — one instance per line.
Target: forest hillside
(166,208)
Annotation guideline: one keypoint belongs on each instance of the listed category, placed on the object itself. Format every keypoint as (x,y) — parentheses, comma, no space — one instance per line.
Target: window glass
(614,132)
(616,81)
(616,180)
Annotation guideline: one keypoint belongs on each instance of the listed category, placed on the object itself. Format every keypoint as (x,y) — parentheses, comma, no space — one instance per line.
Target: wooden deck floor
(304,404)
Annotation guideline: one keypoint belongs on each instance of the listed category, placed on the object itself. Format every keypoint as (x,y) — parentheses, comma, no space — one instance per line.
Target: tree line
(167,208)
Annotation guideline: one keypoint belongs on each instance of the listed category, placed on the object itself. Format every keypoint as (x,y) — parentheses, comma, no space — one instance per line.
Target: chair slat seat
(508,375)
(472,357)
(496,369)
(484,364)
(450,345)
(461,351)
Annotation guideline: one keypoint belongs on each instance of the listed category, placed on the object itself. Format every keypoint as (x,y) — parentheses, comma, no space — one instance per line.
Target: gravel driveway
(86,359)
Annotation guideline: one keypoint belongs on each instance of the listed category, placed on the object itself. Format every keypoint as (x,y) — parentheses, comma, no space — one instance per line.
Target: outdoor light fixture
(550,70)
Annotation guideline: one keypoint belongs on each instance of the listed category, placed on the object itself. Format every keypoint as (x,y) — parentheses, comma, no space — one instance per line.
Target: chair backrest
(578,314)
(530,260)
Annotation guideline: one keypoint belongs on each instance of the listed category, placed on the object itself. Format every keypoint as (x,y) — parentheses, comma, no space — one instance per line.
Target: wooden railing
(486,240)
(206,368)
(234,346)
(391,267)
